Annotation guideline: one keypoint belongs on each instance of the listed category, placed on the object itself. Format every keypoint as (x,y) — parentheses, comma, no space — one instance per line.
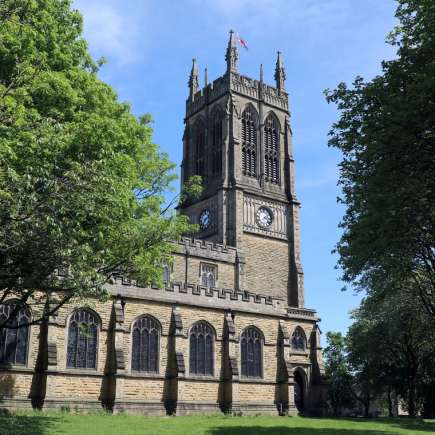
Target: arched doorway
(299,391)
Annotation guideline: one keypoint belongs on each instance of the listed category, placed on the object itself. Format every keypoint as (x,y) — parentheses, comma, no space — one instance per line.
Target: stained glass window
(252,353)
(299,341)
(13,337)
(201,349)
(145,346)
(83,340)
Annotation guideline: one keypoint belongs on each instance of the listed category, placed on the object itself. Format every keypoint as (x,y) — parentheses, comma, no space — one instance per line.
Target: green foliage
(391,347)
(337,373)
(386,133)
(82,184)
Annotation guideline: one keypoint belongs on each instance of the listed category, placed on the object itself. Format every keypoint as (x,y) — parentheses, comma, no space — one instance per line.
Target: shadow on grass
(33,424)
(405,423)
(280,430)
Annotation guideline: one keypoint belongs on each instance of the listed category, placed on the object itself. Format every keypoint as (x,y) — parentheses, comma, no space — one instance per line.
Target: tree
(386,133)
(372,358)
(364,363)
(82,185)
(391,348)
(337,373)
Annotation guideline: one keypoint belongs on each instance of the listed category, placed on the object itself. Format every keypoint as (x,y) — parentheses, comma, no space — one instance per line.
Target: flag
(242,42)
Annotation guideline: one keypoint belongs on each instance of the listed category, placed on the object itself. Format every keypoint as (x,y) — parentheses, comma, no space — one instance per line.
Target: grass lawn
(51,423)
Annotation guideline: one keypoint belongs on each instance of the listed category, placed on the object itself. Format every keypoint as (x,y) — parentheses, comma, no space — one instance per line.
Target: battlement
(240,84)
(216,298)
(192,294)
(209,250)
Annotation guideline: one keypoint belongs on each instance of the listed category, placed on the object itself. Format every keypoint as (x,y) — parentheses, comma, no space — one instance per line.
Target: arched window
(217,143)
(299,341)
(252,348)
(166,274)
(145,346)
(201,349)
(13,341)
(249,142)
(83,340)
(199,138)
(271,150)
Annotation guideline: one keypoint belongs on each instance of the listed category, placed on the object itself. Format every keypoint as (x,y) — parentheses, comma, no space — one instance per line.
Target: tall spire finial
(205,77)
(261,73)
(193,80)
(279,73)
(232,55)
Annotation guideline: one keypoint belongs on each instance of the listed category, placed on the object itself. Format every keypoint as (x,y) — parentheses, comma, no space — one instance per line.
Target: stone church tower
(228,331)
(238,138)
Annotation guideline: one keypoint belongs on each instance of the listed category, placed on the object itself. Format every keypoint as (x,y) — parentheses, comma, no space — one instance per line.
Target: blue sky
(149,45)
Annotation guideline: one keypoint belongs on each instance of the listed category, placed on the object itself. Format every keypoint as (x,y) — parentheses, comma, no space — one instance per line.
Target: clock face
(205,219)
(264,217)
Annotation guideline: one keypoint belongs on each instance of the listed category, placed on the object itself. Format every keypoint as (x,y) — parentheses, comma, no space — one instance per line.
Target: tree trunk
(412,406)
(390,403)
(335,409)
(366,408)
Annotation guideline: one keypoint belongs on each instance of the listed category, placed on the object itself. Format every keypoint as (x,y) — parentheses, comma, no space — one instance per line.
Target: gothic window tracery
(217,143)
(208,275)
(249,142)
(201,349)
(83,340)
(299,340)
(145,345)
(271,150)
(251,343)
(199,138)
(14,341)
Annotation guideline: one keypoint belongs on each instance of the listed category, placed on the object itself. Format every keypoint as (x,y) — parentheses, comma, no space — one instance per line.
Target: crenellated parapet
(238,84)
(217,298)
(251,88)
(208,250)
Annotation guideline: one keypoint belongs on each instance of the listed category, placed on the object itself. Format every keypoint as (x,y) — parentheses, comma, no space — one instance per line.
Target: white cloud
(112,30)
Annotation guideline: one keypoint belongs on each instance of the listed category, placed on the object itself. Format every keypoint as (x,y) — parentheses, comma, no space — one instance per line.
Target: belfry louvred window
(83,340)
(249,142)
(271,150)
(145,346)
(251,344)
(201,349)
(14,340)
(199,138)
(217,143)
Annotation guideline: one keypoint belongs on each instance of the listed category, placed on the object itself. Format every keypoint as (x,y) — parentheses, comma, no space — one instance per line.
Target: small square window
(208,275)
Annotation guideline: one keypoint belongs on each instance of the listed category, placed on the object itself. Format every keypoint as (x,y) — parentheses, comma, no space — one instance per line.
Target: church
(228,332)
